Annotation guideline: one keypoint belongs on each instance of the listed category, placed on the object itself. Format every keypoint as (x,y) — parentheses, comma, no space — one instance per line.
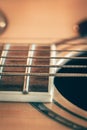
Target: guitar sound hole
(74,88)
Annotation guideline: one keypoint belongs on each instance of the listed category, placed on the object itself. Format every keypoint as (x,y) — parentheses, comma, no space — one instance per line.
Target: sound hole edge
(73,89)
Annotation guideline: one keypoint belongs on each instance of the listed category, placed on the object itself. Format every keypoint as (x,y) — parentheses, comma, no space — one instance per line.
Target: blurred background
(41,21)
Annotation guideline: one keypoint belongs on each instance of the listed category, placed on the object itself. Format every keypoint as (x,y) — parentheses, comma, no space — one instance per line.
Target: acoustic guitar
(43,86)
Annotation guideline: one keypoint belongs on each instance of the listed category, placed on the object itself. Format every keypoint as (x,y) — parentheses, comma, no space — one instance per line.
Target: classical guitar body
(43,86)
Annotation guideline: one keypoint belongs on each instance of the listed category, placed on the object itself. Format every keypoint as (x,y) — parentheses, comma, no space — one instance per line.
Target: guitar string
(45,74)
(45,57)
(44,66)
